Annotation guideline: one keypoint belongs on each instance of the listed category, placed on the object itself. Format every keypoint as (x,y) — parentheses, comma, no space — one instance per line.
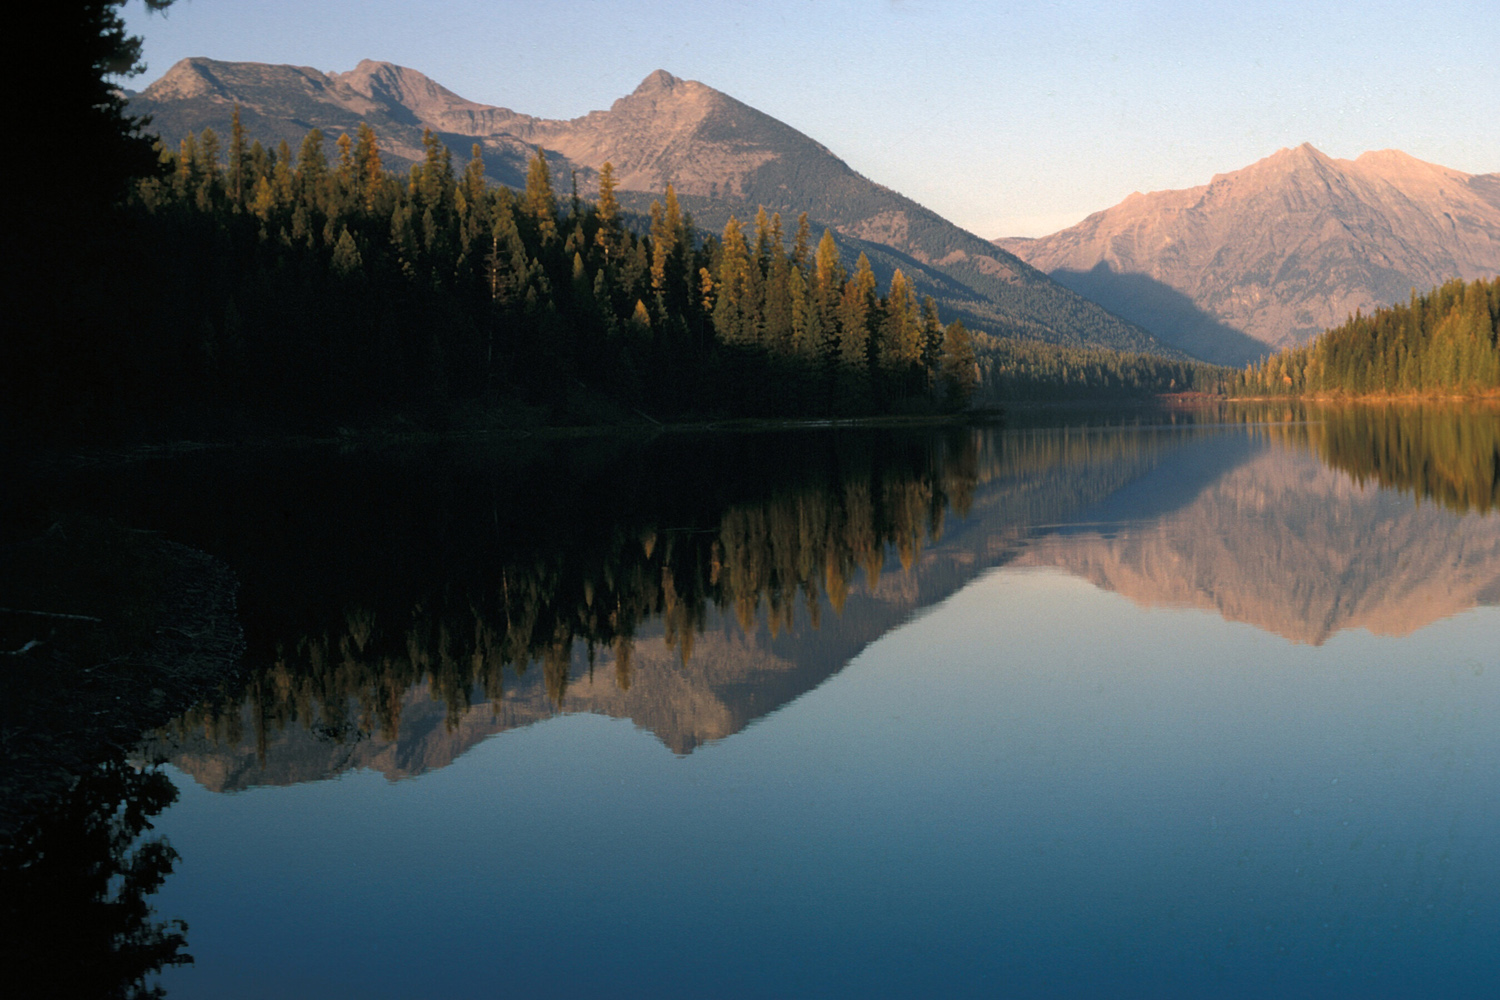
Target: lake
(1154,705)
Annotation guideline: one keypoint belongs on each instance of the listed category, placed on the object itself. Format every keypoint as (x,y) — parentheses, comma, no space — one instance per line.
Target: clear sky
(1011,119)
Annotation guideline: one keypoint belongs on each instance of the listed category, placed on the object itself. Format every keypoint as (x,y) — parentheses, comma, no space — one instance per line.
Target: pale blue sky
(1008,118)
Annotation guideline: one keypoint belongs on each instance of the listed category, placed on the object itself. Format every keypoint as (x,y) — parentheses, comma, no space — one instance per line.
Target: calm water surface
(1204,709)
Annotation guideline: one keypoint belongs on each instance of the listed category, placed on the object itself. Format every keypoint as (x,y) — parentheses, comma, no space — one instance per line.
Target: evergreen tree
(609,237)
(539,203)
(932,342)
(237,157)
(312,170)
(960,374)
(732,321)
(802,244)
(367,158)
(828,288)
(857,311)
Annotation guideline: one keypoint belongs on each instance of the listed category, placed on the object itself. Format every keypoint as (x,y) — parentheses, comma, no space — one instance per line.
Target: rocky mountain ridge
(721,155)
(1268,256)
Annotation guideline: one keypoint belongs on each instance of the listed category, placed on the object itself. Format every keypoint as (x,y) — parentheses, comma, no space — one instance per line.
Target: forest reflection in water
(695,610)
(692,611)
(402,607)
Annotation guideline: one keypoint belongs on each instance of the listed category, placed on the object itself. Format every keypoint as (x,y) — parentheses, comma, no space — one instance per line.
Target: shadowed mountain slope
(721,155)
(1268,256)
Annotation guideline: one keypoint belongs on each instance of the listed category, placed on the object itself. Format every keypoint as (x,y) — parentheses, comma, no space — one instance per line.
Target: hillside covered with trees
(1446,343)
(297,292)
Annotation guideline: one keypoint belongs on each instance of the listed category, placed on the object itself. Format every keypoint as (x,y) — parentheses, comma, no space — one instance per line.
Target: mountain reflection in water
(697,610)
(401,607)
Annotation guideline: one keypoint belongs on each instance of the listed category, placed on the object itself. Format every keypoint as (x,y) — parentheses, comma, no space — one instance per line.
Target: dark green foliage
(1011,369)
(289,294)
(970,278)
(1444,343)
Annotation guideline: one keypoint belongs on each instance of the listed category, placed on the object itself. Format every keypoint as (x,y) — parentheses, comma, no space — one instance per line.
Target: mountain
(722,157)
(1269,256)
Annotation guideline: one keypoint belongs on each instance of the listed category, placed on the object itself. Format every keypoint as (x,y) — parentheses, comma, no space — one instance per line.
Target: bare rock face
(1269,256)
(721,156)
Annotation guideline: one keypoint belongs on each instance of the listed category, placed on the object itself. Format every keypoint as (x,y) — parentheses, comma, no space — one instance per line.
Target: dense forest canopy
(1446,342)
(282,291)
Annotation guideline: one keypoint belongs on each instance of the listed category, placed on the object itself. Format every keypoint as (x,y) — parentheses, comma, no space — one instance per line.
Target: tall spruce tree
(539,202)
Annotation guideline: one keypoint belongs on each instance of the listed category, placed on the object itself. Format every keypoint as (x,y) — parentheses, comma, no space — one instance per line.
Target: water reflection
(402,608)
(694,622)
(691,613)
(74,888)
(1450,454)
(1287,541)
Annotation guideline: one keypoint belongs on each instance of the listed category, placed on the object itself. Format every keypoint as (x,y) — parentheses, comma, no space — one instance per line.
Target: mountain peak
(1301,155)
(188,78)
(1269,255)
(412,89)
(659,81)
(721,154)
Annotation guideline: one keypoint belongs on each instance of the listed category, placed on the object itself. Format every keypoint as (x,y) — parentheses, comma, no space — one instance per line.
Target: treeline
(262,290)
(1012,369)
(318,287)
(1445,342)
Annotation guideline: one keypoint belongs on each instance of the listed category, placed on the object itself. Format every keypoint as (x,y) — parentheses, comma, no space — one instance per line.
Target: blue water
(1037,789)
(1238,741)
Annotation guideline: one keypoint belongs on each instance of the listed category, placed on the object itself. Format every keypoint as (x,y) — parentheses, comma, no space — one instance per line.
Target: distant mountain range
(721,156)
(1268,256)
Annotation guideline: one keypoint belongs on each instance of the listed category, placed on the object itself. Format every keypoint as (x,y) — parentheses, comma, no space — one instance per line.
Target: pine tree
(857,307)
(731,322)
(932,342)
(346,261)
(312,168)
(779,310)
(959,370)
(538,202)
(901,336)
(828,287)
(347,174)
(185,178)
(284,177)
(473,206)
(237,156)
(802,244)
(609,237)
(208,170)
(367,157)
